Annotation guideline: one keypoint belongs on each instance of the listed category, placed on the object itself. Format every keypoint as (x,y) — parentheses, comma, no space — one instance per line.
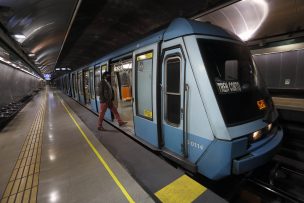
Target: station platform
(52,152)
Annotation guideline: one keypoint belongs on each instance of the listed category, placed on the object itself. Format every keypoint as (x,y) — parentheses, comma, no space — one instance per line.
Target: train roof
(182,27)
(177,28)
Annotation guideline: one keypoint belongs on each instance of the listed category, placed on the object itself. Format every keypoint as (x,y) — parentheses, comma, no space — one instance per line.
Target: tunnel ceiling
(99,27)
(39,26)
(102,26)
(255,21)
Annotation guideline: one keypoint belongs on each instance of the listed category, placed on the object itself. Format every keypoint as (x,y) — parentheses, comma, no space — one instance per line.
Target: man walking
(106,94)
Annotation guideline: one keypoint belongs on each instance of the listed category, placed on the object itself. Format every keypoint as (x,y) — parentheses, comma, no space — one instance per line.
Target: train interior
(121,74)
(85,89)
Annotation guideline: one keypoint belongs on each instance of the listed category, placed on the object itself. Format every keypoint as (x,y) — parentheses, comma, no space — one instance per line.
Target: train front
(248,115)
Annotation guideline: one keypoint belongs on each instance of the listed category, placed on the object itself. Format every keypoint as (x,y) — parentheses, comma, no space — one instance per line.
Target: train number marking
(195,145)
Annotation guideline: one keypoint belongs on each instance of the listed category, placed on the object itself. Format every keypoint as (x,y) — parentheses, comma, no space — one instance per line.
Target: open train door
(99,71)
(144,94)
(172,96)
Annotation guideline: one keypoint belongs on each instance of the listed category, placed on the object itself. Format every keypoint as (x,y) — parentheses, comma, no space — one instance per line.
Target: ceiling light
(31,55)
(19,36)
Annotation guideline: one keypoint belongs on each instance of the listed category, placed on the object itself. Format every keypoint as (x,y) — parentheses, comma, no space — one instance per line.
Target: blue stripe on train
(93,105)
(146,130)
(216,161)
(81,97)
(174,138)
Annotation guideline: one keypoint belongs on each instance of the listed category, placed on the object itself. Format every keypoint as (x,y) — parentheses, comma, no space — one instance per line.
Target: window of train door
(87,92)
(172,101)
(144,94)
(91,84)
(97,79)
(80,87)
(75,95)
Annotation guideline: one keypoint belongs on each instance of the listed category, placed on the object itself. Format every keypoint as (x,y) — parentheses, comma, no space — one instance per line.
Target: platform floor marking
(100,158)
(183,189)
(23,182)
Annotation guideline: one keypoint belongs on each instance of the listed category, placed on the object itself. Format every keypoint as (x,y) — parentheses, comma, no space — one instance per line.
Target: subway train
(191,92)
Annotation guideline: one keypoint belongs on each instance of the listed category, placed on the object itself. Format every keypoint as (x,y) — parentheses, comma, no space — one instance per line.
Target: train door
(87,93)
(144,94)
(62,84)
(97,78)
(91,88)
(75,89)
(80,87)
(99,70)
(122,86)
(173,66)
(68,85)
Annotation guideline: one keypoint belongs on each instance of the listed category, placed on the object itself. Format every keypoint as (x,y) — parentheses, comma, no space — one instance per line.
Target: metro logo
(261,104)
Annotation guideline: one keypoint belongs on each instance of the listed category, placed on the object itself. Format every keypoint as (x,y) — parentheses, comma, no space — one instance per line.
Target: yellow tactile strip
(183,189)
(23,182)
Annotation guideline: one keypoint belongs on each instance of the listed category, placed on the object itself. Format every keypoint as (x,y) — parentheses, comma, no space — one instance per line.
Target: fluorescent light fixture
(63,68)
(31,55)
(57,68)
(19,36)
(18,67)
(127,66)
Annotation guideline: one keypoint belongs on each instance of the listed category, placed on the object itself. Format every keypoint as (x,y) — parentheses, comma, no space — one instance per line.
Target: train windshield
(239,89)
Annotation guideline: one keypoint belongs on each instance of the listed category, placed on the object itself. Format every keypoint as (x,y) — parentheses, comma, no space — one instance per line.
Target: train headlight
(256,135)
(269,127)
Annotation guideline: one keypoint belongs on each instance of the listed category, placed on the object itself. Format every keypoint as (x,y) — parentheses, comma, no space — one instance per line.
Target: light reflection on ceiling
(243,18)
(260,21)
(38,26)
(103,26)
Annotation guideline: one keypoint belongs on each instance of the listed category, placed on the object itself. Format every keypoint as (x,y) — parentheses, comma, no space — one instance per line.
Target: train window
(97,81)
(144,66)
(62,82)
(86,87)
(80,83)
(74,85)
(235,80)
(173,67)
(91,80)
(68,85)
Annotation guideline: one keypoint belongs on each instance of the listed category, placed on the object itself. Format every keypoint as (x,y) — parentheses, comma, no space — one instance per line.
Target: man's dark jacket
(106,92)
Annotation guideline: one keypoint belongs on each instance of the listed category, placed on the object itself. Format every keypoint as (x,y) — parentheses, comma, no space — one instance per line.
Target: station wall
(15,84)
(282,70)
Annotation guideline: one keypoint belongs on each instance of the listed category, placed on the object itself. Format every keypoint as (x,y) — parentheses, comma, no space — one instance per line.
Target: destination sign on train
(227,87)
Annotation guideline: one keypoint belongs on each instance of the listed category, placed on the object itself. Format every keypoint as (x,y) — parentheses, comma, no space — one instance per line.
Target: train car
(193,92)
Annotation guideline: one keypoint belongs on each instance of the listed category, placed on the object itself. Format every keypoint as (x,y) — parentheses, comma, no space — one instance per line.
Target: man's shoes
(101,129)
(122,123)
